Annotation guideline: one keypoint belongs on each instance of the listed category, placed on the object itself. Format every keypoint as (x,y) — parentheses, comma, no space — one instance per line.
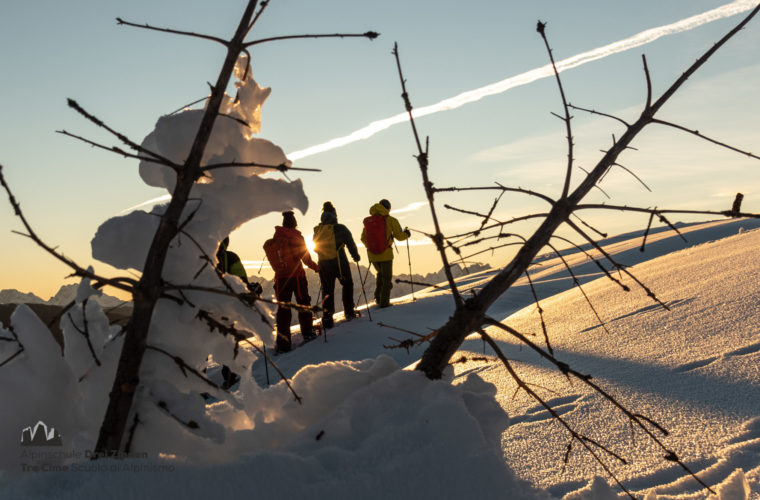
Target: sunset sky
(326,89)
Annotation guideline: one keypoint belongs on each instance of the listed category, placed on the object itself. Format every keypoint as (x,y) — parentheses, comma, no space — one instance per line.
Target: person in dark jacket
(330,241)
(290,279)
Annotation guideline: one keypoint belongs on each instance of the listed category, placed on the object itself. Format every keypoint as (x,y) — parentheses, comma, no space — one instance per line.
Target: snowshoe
(353,315)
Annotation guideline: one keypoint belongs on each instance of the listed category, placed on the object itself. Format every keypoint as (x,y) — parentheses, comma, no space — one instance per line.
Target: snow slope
(366,429)
(694,369)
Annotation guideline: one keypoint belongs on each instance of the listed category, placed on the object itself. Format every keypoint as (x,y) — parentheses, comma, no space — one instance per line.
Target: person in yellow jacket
(382,261)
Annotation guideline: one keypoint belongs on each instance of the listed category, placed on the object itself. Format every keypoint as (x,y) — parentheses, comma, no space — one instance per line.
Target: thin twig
(122,22)
(370,35)
(541,28)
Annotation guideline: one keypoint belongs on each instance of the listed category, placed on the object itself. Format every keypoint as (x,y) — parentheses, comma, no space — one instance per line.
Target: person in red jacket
(287,253)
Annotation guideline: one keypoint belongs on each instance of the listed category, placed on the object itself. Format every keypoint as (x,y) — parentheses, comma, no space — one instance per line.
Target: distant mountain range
(65,295)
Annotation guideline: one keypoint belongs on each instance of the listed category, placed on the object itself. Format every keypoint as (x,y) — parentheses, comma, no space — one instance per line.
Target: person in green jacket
(228,262)
(383,261)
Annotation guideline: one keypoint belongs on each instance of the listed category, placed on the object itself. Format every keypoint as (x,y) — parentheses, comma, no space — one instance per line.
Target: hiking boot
(327,323)
(309,336)
(352,315)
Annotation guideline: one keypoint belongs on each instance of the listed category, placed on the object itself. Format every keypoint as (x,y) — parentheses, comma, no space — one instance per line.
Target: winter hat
(328,217)
(328,207)
(289,219)
(386,204)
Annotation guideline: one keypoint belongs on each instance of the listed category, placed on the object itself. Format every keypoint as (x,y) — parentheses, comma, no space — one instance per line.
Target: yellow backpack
(324,242)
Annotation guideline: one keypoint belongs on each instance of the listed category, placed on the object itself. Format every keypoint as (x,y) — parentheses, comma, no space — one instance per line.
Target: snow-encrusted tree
(184,309)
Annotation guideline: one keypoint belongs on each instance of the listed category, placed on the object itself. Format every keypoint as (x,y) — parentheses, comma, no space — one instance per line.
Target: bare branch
(263,7)
(498,187)
(370,35)
(514,220)
(12,357)
(215,324)
(540,27)
(588,443)
(648,103)
(190,424)
(123,138)
(422,161)
(188,105)
(132,429)
(597,186)
(282,167)
(86,332)
(621,268)
(651,110)
(17,341)
(599,113)
(119,151)
(646,232)
(616,164)
(411,282)
(151,286)
(702,136)
(578,284)
(403,330)
(122,22)
(490,249)
(603,235)
(586,379)
(540,313)
(657,211)
(185,368)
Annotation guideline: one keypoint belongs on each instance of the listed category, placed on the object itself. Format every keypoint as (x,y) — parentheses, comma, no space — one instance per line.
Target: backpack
(375,234)
(324,242)
(279,255)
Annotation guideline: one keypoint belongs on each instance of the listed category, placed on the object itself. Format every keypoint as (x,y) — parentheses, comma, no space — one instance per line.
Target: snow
(368,429)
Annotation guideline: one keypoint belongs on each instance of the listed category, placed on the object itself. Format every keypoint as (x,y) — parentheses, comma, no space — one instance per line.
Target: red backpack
(375,234)
(281,256)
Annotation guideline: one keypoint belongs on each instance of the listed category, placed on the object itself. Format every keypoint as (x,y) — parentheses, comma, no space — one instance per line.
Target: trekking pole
(364,291)
(262,264)
(322,309)
(409,259)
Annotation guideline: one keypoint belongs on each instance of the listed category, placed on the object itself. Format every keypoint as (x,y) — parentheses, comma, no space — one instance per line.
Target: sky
(326,89)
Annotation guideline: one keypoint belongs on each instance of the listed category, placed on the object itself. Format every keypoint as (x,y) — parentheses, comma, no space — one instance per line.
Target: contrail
(160,199)
(643,38)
